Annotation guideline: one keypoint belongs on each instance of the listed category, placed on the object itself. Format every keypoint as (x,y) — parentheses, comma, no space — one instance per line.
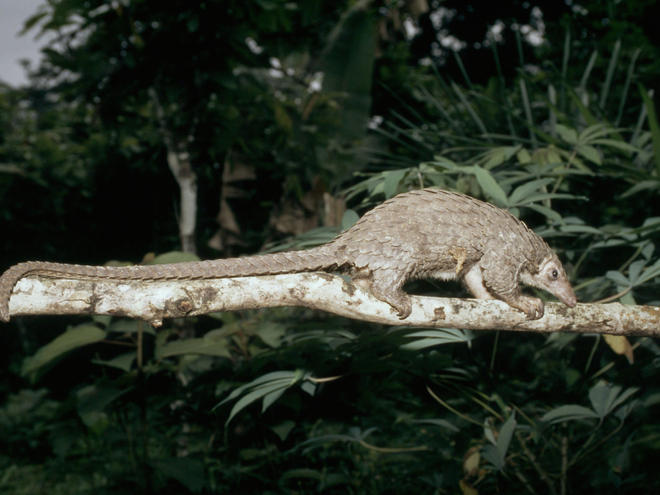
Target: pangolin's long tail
(319,258)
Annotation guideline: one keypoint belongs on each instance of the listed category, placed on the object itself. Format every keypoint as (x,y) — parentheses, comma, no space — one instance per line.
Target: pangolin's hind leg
(387,285)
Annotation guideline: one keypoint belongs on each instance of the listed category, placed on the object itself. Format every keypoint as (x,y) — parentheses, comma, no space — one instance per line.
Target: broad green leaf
(283,429)
(271,397)
(524,190)
(71,339)
(349,219)
(580,229)
(628,299)
(590,153)
(651,222)
(573,159)
(392,180)
(618,278)
(609,243)
(271,333)
(605,397)
(201,346)
(652,184)
(96,421)
(490,186)
(103,320)
(445,163)
(123,362)
(537,197)
(523,156)
(269,387)
(491,455)
(620,145)
(126,325)
(376,188)
(292,376)
(499,155)
(549,155)
(429,338)
(652,399)
(308,387)
(545,211)
(570,412)
(634,270)
(256,394)
(504,438)
(595,132)
(647,253)
(649,273)
(567,134)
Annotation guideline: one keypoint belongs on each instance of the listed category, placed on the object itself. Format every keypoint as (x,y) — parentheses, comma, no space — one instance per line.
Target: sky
(13,47)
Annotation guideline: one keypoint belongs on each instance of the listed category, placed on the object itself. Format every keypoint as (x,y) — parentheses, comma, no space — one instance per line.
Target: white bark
(154,300)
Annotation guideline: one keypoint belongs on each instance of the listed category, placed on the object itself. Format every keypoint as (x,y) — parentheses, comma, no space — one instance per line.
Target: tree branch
(155,300)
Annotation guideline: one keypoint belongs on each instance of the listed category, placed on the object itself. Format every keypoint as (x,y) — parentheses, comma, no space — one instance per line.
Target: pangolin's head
(551,276)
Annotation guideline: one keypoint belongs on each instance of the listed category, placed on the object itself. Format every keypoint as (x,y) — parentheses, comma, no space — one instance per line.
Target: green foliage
(495,452)
(235,85)
(653,125)
(71,339)
(431,338)
(604,400)
(269,388)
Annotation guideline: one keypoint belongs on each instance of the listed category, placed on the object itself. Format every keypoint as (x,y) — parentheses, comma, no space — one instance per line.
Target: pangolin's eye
(555,273)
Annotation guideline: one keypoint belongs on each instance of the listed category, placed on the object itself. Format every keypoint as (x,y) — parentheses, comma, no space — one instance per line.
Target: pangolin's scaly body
(427,233)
